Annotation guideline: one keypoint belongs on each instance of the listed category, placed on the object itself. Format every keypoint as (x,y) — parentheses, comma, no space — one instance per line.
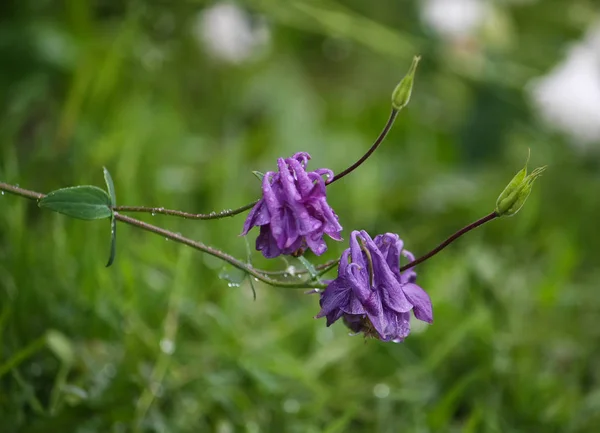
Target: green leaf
(310,268)
(84,202)
(111,187)
(113,222)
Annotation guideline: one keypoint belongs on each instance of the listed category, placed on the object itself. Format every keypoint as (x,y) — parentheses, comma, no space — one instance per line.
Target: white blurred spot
(381,390)
(224,426)
(291,405)
(167,346)
(228,33)
(252,427)
(568,97)
(454,18)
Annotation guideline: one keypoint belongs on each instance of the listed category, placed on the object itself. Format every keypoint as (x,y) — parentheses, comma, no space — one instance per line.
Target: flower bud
(512,199)
(402,92)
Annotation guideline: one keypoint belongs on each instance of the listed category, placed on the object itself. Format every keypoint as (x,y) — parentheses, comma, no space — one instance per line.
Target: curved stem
(209,250)
(372,149)
(451,239)
(32,195)
(232,212)
(178,213)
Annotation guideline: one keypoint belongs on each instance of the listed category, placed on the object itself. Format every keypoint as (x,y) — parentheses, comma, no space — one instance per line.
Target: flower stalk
(239,264)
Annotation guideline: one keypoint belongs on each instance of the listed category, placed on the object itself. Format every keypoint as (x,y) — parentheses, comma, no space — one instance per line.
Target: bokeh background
(181,100)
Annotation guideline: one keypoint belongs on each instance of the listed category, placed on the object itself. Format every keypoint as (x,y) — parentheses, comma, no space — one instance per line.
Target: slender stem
(178,213)
(206,249)
(372,149)
(232,212)
(448,241)
(181,239)
(20,191)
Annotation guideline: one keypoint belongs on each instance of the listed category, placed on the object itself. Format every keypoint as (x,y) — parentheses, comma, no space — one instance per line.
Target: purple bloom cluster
(371,294)
(293,214)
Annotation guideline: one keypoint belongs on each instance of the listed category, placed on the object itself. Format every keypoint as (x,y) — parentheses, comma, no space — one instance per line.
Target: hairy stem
(178,213)
(372,149)
(32,195)
(20,191)
(209,250)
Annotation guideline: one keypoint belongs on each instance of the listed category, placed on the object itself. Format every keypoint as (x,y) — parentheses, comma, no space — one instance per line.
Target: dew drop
(166,239)
(153,214)
(256,279)
(291,270)
(2,192)
(381,390)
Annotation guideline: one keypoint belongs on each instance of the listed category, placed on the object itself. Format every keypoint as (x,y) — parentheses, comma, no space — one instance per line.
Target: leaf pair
(86,202)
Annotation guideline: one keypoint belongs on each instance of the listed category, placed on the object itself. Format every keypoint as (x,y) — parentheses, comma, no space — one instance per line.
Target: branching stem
(256,273)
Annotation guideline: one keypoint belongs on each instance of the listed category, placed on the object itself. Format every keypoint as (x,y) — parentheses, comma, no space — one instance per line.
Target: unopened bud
(512,199)
(402,92)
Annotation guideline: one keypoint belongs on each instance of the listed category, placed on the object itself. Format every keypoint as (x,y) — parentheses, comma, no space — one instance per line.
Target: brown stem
(232,212)
(32,195)
(20,191)
(448,241)
(206,249)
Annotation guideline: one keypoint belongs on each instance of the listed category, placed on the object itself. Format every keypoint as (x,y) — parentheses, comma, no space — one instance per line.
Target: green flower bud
(403,90)
(512,199)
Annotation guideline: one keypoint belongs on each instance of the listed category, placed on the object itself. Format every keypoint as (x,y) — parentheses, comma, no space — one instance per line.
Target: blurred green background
(181,100)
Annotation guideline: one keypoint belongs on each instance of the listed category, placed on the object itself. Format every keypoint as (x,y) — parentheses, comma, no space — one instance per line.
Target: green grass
(159,343)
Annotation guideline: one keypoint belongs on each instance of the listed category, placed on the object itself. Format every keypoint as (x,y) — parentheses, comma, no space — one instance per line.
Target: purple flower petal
(370,293)
(421,302)
(294,207)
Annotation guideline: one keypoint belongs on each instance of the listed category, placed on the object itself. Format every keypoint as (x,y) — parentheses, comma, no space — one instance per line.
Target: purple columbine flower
(293,214)
(370,293)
